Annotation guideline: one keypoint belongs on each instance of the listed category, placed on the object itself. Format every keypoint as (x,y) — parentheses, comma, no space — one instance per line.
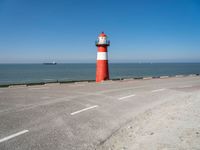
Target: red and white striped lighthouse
(102,71)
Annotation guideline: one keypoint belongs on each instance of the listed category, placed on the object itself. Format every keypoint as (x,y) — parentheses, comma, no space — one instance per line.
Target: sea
(32,73)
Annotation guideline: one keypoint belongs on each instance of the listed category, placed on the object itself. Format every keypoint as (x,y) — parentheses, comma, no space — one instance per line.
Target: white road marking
(147,78)
(79,85)
(45,97)
(163,77)
(84,82)
(39,88)
(17,86)
(185,86)
(13,135)
(79,111)
(106,82)
(158,90)
(121,98)
(179,76)
(120,89)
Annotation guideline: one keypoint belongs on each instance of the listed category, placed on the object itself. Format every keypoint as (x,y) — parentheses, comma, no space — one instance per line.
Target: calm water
(25,73)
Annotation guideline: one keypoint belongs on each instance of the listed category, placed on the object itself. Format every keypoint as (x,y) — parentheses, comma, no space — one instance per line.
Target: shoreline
(113,79)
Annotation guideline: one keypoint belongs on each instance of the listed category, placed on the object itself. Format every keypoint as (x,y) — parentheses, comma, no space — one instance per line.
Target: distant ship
(52,63)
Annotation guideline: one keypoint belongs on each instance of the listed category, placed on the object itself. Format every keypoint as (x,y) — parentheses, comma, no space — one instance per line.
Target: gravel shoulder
(173,125)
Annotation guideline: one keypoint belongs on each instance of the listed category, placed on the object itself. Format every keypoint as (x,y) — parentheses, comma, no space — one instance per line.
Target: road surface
(79,116)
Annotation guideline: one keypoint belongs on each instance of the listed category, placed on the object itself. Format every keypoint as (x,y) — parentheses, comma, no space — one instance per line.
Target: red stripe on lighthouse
(102,49)
(102,72)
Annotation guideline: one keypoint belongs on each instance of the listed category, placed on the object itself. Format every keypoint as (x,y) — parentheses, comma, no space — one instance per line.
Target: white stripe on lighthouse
(102,56)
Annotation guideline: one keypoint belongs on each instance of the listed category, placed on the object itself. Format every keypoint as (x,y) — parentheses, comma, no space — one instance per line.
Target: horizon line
(109,62)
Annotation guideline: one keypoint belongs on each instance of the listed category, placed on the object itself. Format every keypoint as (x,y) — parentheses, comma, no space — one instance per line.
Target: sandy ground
(174,125)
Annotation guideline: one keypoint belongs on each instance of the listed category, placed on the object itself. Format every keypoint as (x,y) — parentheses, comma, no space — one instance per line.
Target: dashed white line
(79,85)
(120,89)
(39,88)
(187,86)
(13,135)
(79,111)
(121,98)
(158,90)
(45,97)
(163,77)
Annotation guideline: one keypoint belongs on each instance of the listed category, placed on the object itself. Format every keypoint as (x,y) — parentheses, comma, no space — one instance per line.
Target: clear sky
(34,31)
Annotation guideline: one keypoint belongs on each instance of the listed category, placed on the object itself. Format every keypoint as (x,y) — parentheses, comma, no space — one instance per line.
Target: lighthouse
(102,70)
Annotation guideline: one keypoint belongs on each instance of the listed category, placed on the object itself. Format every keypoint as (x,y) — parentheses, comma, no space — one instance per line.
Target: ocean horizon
(14,73)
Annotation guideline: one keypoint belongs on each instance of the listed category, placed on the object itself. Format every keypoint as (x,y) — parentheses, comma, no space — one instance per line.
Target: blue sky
(34,31)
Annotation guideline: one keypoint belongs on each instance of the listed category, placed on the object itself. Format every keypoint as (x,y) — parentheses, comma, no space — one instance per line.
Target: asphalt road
(79,115)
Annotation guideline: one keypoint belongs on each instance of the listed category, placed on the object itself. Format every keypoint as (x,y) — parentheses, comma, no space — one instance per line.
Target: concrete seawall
(87,81)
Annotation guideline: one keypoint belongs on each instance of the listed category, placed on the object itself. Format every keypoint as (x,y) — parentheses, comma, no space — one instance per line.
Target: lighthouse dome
(102,34)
